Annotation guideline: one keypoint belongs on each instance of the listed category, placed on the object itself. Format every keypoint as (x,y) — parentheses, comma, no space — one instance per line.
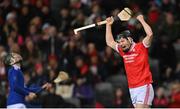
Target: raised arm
(109,37)
(149,34)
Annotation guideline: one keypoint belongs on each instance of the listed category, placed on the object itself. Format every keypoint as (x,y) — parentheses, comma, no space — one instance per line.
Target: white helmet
(12,58)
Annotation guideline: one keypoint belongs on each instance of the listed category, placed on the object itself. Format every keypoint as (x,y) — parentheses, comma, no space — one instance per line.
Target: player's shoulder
(12,69)
(140,45)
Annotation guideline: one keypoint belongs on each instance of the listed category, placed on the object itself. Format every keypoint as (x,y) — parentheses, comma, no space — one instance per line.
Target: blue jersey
(18,90)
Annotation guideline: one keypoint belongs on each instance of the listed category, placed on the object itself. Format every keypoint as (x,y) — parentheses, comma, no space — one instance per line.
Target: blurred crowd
(42,32)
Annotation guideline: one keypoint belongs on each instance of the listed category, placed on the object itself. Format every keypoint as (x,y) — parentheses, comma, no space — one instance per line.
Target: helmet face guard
(12,58)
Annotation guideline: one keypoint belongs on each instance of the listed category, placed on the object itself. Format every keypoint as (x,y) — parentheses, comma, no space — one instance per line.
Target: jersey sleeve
(146,46)
(34,89)
(18,88)
(142,46)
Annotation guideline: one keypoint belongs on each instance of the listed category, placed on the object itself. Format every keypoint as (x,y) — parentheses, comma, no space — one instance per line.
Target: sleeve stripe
(146,46)
(117,48)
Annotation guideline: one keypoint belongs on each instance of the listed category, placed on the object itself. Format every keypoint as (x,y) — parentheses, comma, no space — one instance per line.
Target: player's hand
(31,96)
(140,17)
(109,20)
(46,86)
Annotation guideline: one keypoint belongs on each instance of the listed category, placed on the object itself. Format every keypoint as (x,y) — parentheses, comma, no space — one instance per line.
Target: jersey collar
(16,67)
(132,46)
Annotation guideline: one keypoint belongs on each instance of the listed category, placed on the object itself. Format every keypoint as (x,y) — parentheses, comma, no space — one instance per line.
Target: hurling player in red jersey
(135,57)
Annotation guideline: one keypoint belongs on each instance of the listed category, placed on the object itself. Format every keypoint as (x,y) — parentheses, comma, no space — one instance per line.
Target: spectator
(109,62)
(53,63)
(84,92)
(120,100)
(49,43)
(10,24)
(160,100)
(165,53)
(46,15)
(29,55)
(33,33)
(40,77)
(175,95)
(63,20)
(69,54)
(2,66)
(23,19)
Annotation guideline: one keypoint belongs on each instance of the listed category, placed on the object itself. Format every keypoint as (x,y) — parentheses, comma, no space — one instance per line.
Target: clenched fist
(47,86)
(31,96)
(109,20)
(140,17)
